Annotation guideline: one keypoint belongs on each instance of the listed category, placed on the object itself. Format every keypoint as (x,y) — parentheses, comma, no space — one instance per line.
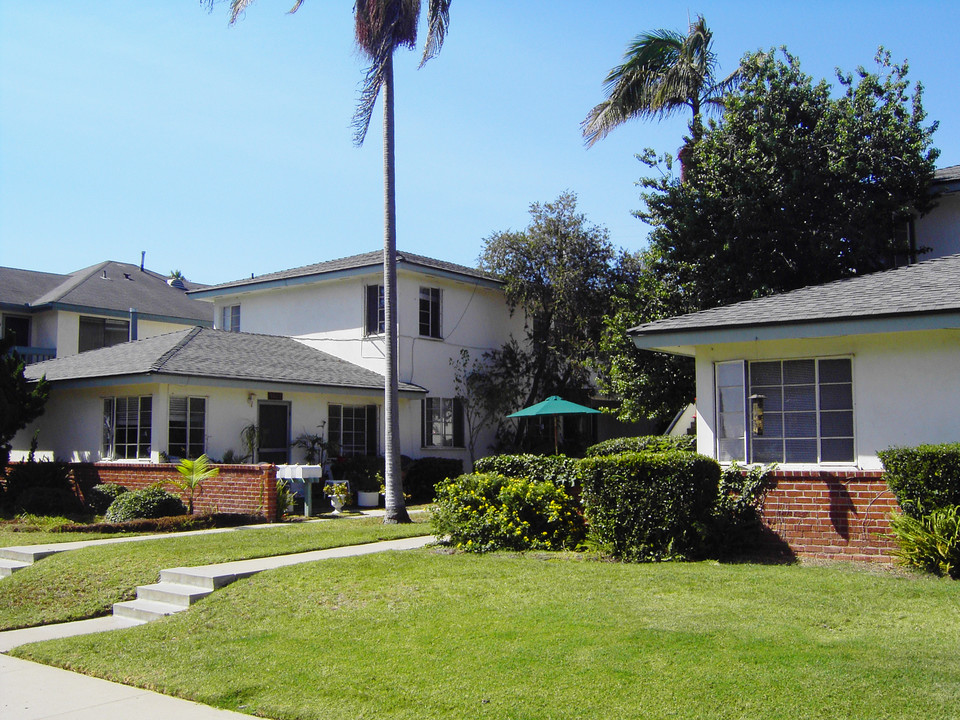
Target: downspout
(133,323)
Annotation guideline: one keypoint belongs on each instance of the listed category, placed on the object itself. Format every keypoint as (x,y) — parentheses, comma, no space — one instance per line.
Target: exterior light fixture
(756,414)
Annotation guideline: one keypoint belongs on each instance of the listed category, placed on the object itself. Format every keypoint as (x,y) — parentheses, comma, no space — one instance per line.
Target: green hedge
(149,503)
(100,497)
(175,523)
(644,443)
(924,478)
(557,469)
(651,506)
(480,512)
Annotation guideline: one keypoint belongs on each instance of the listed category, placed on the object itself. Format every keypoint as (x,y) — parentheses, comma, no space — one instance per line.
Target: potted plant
(368,490)
(339,494)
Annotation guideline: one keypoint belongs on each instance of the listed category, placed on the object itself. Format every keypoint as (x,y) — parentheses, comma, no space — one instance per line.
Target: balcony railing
(32,355)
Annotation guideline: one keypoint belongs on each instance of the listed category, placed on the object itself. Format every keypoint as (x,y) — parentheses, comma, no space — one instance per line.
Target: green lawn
(426,634)
(85,583)
(34,530)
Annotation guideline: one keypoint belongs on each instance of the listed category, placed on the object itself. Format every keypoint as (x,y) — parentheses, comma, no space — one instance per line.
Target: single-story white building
(824,377)
(193,391)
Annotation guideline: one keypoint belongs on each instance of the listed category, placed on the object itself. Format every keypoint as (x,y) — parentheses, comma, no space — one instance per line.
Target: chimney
(143,257)
(133,323)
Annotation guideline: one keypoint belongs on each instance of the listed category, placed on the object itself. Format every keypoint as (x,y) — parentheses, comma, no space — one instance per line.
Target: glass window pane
(798,372)
(772,425)
(800,425)
(836,424)
(836,397)
(765,373)
(729,450)
(837,450)
(799,397)
(772,396)
(731,399)
(730,374)
(801,451)
(832,371)
(731,425)
(766,450)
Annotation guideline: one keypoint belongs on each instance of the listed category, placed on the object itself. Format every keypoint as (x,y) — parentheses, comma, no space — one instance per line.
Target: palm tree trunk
(396,511)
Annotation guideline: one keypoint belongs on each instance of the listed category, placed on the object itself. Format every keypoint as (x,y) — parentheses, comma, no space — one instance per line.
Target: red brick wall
(832,514)
(250,489)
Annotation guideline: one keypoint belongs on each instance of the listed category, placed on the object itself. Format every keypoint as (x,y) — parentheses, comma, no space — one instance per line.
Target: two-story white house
(292,352)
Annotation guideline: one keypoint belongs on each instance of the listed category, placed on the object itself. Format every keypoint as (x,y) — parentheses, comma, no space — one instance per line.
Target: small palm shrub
(100,497)
(481,512)
(149,503)
(193,473)
(931,542)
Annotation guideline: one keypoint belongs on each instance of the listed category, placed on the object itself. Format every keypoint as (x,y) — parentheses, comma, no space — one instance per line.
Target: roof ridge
(158,364)
(74,279)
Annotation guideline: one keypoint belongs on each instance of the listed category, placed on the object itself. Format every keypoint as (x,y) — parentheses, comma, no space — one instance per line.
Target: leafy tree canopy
(561,270)
(794,185)
(20,403)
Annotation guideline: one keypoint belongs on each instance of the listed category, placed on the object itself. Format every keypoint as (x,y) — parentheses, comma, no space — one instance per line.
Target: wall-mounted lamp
(756,413)
(250,398)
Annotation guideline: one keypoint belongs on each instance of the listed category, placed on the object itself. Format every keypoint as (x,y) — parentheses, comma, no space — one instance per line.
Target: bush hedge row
(148,503)
(924,478)
(557,469)
(644,443)
(651,506)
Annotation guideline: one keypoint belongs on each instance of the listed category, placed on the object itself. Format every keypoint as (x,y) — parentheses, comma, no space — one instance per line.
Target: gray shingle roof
(214,354)
(107,286)
(947,174)
(371,260)
(928,287)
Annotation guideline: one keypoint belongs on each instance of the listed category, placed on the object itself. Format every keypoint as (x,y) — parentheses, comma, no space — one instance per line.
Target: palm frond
(438,20)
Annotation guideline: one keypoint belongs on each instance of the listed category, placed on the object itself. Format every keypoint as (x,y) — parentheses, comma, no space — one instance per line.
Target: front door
(274,422)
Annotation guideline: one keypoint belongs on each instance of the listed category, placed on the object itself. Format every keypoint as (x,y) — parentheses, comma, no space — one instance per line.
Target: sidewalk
(29,691)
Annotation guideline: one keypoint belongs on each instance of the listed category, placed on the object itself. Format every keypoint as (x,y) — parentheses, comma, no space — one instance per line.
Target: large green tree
(663,72)
(794,185)
(559,271)
(21,402)
(381,28)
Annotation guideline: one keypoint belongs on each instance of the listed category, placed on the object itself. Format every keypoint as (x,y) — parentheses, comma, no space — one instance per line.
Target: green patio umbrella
(556,406)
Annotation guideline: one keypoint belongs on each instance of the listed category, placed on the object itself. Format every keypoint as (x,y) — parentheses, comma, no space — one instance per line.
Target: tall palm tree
(382,27)
(662,72)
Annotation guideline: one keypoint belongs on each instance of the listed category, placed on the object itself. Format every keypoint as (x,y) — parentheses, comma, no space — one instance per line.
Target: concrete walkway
(29,691)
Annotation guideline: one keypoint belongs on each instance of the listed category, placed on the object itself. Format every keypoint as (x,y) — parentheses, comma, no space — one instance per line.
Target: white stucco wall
(940,228)
(329,316)
(71,426)
(906,386)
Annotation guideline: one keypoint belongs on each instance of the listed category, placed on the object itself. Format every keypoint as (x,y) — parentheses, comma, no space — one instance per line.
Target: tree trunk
(396,511)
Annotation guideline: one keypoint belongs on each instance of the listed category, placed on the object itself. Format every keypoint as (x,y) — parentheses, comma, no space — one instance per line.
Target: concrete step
(145,611)
(9,567)
(172,593)
(202,577)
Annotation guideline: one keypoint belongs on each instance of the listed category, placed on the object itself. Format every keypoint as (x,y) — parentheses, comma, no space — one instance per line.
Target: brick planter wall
(250,489)
(838,515)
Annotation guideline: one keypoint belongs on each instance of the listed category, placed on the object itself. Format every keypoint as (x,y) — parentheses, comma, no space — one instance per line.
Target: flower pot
(368,499)
(337,504)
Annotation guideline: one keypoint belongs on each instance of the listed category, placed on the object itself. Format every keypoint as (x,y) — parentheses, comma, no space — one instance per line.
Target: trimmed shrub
(644,443)
(930,543)
(481,512)
(100,497)
(424,474)
(149,503)
(924,478)
(737,523)
(557,469)
(42,487)
(650,506)
(177,523)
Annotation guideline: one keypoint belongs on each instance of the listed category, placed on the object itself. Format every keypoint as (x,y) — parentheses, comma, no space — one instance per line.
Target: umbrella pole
(555,450)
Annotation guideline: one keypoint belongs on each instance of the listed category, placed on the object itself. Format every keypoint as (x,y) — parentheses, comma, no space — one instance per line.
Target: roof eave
(684,342)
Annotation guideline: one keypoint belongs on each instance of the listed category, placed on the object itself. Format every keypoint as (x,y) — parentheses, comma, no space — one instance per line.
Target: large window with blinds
(785,411)
(187,427)
(127,425)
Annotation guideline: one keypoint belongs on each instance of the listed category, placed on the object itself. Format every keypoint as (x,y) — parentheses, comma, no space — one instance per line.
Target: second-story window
(375,318)
(430,312)
(230,318)
(96,333)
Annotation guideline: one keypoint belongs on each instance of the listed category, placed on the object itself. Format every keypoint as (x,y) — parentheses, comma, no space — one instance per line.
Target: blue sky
(223,151)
